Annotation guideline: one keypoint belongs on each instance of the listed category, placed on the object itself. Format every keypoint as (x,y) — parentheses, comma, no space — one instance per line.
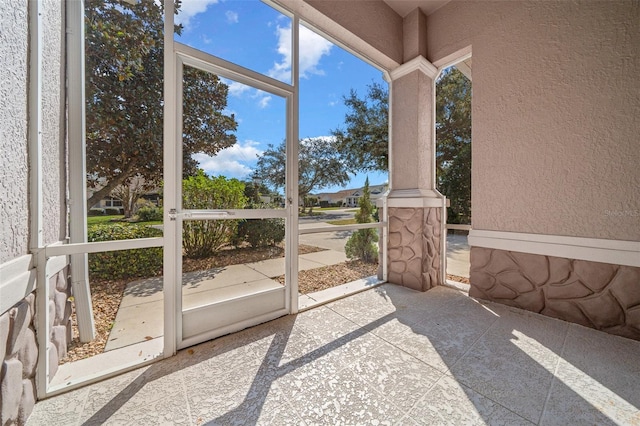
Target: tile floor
(388,355)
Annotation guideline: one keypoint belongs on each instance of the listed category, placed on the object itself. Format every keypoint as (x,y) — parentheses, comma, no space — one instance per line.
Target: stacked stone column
(416,210)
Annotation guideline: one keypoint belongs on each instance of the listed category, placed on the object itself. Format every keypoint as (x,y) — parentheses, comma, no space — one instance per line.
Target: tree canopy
(364,143)
(319,165)
(124,98)
(453,143)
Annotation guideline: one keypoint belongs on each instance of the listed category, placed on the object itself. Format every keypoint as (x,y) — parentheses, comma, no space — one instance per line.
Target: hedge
(145,262)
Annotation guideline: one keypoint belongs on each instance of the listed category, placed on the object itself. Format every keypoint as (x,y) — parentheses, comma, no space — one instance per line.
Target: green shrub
(124,263)
(260,232)
(362,243)
(203,238)
(95,212)
(150,214)
(112,211)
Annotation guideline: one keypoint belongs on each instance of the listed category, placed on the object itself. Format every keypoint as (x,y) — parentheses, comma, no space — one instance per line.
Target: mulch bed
(238,256)
(106,297)
(463,280)
(318,279)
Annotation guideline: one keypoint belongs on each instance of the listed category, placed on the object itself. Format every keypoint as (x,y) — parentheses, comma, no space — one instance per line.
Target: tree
(361,244)
(453,136)
(319,165)
(124,104)
(129,192)
(365,142)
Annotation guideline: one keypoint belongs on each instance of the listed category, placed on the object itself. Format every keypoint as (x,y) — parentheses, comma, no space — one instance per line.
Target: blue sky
(256,36)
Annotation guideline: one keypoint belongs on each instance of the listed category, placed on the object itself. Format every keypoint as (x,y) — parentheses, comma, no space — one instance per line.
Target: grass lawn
(95,220)
(326,208)
(306,214)
(351,221)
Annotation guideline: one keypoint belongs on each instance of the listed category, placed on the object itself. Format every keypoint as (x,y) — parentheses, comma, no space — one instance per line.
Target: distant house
(350,197)
(137,189)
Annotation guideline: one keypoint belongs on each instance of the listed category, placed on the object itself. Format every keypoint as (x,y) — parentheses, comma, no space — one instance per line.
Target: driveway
(457,246)
(328,215)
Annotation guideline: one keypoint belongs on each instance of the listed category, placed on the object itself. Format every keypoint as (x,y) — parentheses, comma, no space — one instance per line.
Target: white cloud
(264,101)
(263,98)
(238,89)
(232,17)
(328,139)
(235,88)
(190,8)
(233,162)
(312,48)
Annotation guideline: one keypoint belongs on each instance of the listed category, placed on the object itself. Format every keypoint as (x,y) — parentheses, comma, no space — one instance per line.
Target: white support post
(291,187)
(171,287)
(43,324)
(35,125)
(35,199)
(77,167)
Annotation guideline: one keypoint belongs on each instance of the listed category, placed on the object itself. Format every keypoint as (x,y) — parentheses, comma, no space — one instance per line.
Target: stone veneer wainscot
(18,345)
(598,295)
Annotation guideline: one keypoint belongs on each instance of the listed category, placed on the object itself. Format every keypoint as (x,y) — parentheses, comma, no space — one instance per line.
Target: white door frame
(174,215)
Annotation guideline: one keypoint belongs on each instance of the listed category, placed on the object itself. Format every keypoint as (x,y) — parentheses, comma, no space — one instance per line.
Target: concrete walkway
(458,259)
(140,316)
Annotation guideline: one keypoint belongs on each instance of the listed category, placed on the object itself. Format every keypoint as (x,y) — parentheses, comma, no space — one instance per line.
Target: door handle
(200,215)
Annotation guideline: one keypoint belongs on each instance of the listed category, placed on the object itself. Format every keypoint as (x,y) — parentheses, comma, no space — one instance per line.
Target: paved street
(457,245)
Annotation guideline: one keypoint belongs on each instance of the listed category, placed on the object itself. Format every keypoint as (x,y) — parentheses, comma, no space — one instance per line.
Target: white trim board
(417,63)
(17,280)
(616,252)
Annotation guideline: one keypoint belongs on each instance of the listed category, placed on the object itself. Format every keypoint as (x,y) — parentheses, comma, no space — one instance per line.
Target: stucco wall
(555,113)
(411,132)
(14,231)
(371,20)
(53,137)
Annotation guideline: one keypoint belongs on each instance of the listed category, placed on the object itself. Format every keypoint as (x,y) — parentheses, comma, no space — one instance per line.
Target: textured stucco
(53,103)
(555,113)
(412,149)
(414,35)
(597,295)
(371,20)
(14,229)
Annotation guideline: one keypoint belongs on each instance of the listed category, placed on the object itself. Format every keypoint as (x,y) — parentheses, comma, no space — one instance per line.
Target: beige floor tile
(402,378)
(388,355)
(344,399)
(451,403)
(577,398)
